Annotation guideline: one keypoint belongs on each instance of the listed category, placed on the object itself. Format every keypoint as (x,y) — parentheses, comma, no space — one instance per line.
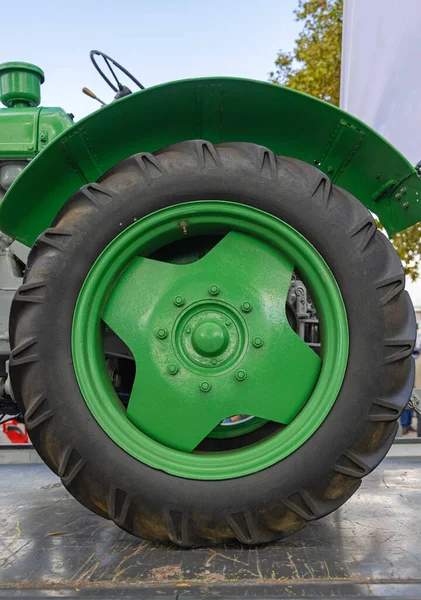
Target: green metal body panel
(219,110)
(24,132)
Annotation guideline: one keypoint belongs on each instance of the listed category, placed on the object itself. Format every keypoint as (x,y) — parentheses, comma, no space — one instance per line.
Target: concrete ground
(51,546)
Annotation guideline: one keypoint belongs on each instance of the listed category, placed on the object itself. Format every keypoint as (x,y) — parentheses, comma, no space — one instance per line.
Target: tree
(314,67)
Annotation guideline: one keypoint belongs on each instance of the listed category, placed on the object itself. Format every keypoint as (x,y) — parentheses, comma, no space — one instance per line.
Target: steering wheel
(120,89)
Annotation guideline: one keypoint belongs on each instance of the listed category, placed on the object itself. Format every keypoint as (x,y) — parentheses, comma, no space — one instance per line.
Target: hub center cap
(210,335)
(210,338)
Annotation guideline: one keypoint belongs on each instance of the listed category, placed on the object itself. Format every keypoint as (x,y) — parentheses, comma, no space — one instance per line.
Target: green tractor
(210,339)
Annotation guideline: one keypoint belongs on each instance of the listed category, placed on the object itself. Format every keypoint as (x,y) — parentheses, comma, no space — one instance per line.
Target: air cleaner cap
(20,83)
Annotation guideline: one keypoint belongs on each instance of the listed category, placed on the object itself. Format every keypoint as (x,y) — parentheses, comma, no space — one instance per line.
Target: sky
(157,41)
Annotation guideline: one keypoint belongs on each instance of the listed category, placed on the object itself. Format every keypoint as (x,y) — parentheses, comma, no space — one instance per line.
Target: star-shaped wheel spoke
(273,372)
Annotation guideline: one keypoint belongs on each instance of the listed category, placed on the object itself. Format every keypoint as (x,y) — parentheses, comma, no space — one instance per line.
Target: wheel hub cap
(210,339)
(209,334)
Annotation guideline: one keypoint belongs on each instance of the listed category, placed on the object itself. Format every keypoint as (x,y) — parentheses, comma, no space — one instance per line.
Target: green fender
(219,110)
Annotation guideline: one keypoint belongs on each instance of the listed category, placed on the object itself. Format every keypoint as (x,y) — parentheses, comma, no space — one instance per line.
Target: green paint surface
(211,341)
(219,110)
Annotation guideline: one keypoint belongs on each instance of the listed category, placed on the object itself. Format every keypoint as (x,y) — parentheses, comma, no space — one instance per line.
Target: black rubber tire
(327,469)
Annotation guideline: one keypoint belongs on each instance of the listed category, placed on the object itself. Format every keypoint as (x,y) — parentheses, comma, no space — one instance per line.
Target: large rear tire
(313,479)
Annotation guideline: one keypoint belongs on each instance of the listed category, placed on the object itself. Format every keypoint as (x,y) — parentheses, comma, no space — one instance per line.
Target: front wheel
(212,343)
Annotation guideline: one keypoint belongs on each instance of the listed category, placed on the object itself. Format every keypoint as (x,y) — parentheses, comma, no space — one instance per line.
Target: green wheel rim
(112,291)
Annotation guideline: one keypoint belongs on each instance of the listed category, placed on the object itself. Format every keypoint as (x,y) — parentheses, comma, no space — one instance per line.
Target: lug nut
(257,342)
(161,334)
(205,386)
(179,301)
(241,375)
(172,369)
(246,307)
(214,290)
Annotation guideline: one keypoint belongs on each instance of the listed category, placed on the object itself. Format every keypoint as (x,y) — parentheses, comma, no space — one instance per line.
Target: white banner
(381,69)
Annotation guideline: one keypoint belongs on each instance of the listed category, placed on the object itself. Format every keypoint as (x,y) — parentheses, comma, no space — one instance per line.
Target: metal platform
(50,546)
